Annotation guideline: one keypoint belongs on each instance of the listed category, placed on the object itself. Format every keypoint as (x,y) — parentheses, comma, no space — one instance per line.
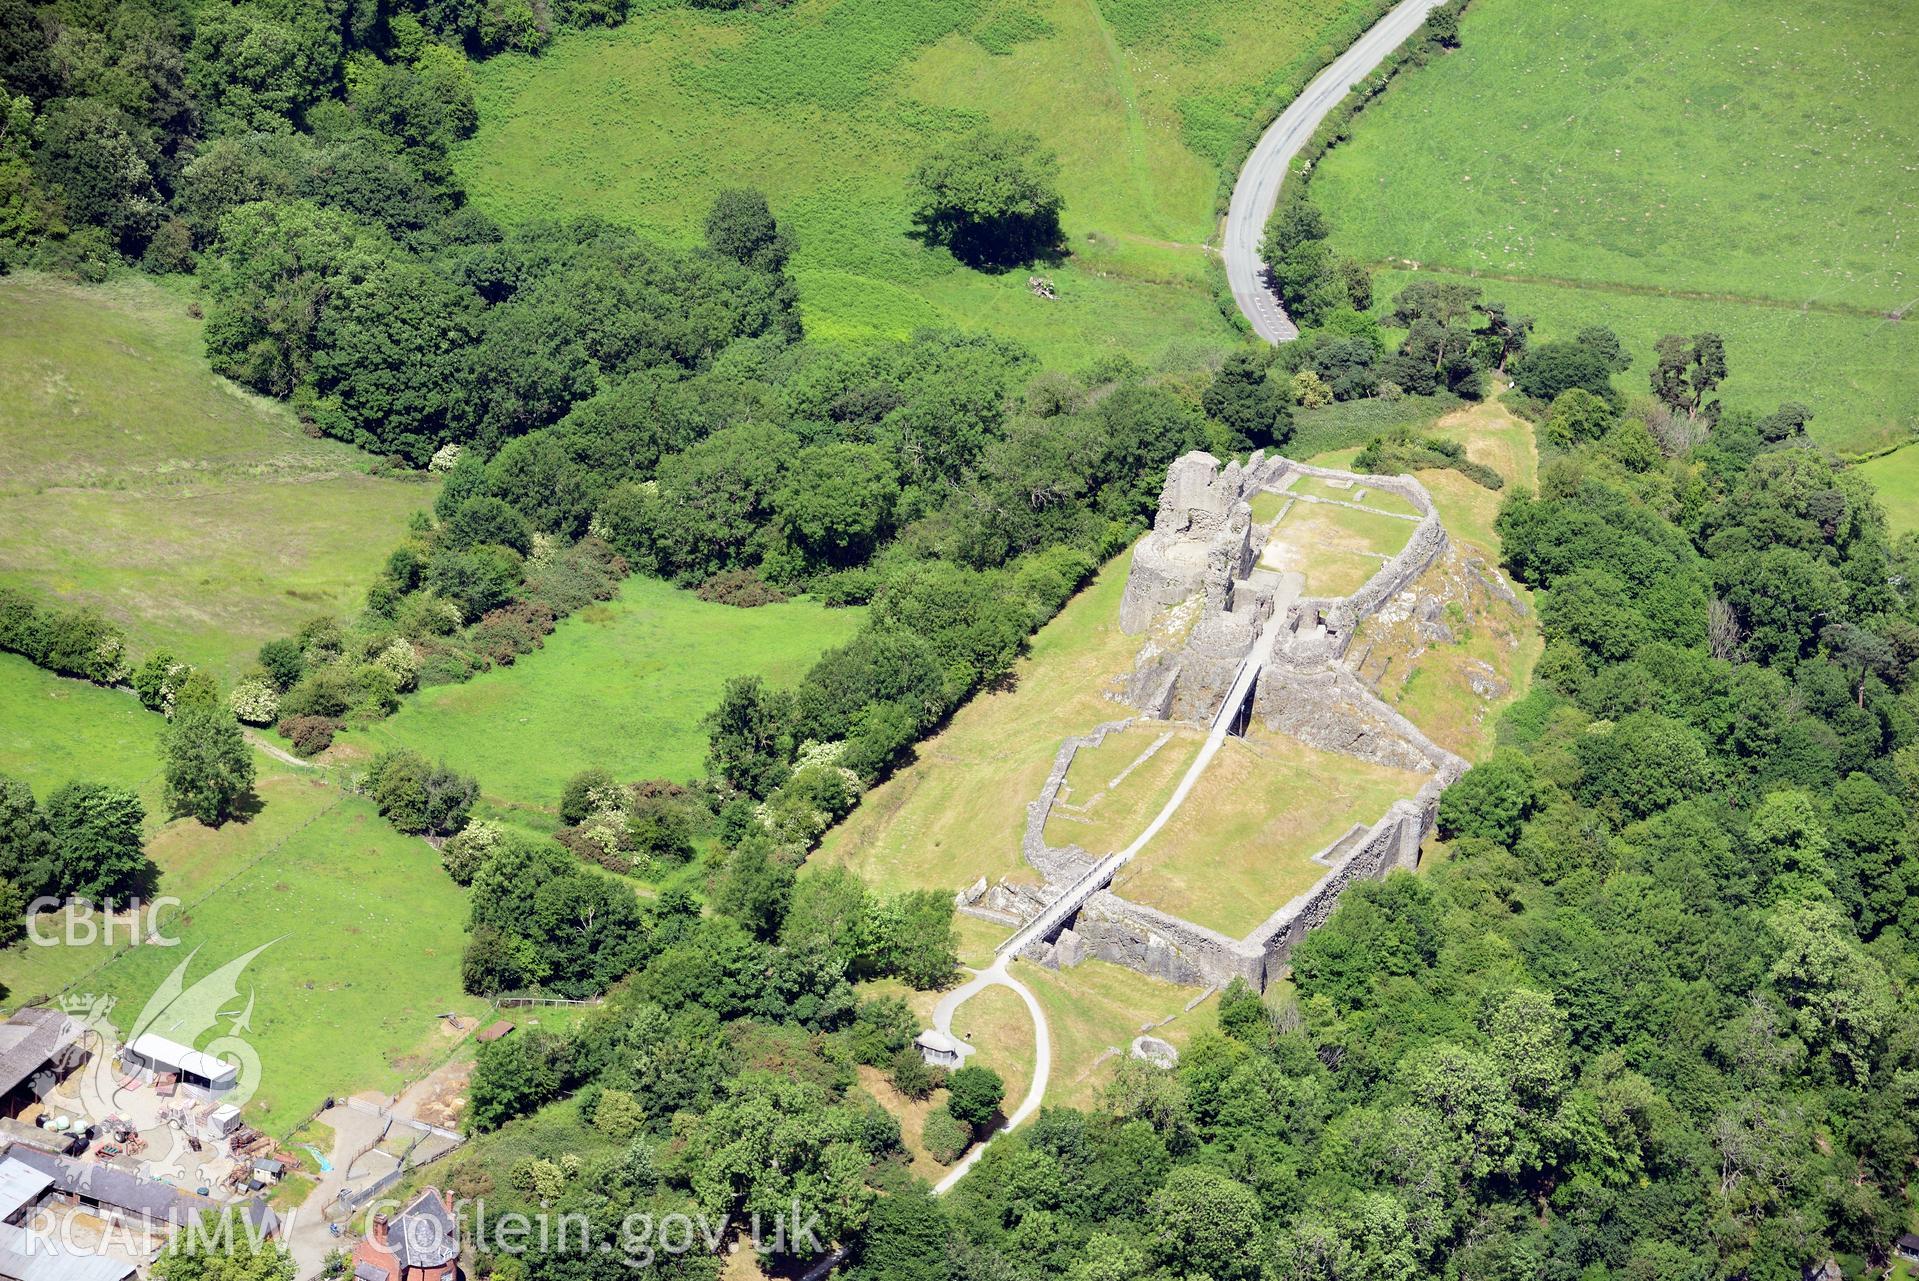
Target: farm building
(58,1142)
(28,1257)
(37,1047)
(117,1194)
(420,1243)
(155,1058)
(25,1256)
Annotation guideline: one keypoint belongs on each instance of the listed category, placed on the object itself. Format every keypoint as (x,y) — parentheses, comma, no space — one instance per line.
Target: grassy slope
(1897,477)
(622,685)
(53,730)
(1100,817)
(956,813)
(340,894)
(341,897)
(134,479)
(1754,151)
(313,867)
(1095,1010)
(828,104)
(1000,1029)
(1436,692)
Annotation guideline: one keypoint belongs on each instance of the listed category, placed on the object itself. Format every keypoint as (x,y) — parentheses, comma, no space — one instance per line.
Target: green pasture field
(341,899)
(134,479)
(1747,170)
(623,685)
(1859,375)
(309,865)
(827,105)
(54,730)
(193,861)
(1896,475)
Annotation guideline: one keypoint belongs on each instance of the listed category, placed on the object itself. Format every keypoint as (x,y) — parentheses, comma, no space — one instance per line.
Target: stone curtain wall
(1332,709)
(1305,691)
(1168,947)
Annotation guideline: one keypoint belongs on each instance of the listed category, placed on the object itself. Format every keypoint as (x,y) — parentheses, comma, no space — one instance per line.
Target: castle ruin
(1200,596)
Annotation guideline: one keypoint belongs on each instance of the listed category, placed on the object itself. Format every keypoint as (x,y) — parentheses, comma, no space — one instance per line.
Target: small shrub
(447,667)
(1310,390)
(284,662)
(945,1138)
(254,701)
(740,588)
(910,1074)
(510,631)
(468,848)
(974,1094)
(157,681)
(309,735)
(848,587)
(418,797)
(328,691)
(584,793)
(618,1115)
(400,661)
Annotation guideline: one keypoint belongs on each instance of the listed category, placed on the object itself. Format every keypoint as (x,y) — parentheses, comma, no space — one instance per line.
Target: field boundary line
(186,908)
(1892,315)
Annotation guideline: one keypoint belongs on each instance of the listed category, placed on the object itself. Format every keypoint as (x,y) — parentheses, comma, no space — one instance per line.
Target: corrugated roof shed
(157,1049)
(26,1256)
(30,1040)
(130,1194)
(20,1185)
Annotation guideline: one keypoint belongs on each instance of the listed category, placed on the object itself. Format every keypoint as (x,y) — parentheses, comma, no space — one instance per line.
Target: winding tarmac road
(1257,190)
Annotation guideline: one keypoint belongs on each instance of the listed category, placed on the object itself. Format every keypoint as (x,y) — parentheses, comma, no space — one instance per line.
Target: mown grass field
(1746,169)
(133,479)
(311,867)
(827,105)
(1095,1009)
(1242,844)
(1334,548)
(1896,475)
(1000,1028)
(1114,790)
(622,685)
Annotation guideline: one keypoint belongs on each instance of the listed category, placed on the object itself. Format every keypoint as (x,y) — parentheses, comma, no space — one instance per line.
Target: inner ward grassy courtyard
(1243,843)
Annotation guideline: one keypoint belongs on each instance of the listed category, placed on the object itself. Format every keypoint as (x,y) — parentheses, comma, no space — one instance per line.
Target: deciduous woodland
(630,584)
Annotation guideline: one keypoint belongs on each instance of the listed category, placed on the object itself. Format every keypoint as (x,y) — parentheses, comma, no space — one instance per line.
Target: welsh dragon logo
(182,1014)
